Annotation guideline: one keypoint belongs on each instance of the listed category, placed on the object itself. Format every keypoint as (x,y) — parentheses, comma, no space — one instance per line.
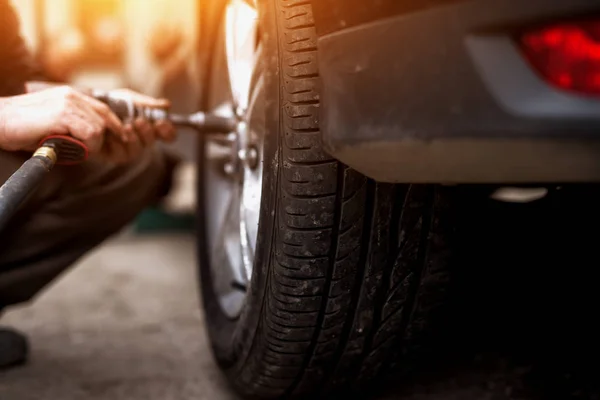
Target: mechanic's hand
(145,131)
(25,120)
(119,152)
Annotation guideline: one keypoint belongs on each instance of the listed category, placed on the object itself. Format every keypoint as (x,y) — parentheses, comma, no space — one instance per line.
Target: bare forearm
(26,119)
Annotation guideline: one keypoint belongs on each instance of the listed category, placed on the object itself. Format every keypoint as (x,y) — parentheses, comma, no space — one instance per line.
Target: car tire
(349,274)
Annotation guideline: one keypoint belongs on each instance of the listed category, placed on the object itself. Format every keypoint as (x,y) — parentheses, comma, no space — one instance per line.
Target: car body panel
(442,93)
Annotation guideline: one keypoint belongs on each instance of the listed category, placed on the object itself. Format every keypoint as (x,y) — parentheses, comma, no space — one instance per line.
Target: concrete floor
(126,325)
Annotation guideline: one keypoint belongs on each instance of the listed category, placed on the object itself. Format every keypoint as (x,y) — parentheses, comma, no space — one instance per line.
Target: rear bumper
(443,95)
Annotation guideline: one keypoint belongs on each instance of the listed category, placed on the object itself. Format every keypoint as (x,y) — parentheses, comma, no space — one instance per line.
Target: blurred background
(147,45)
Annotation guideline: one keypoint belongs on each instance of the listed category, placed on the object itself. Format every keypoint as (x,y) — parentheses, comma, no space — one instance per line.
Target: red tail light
(567,55)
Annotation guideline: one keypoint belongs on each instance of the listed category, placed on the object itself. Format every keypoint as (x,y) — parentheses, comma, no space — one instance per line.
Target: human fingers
(145,131)
(113,123)
(115,151)
(135,146)
(90,132)
(165,131)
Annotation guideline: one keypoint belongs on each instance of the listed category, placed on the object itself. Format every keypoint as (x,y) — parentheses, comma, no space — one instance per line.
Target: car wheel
(313,277)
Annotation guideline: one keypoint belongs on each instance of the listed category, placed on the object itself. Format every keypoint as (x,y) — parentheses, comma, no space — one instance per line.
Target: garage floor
(125,325)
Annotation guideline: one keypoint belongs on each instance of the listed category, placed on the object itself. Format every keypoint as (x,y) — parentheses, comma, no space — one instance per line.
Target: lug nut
(229,169)
(232,137)
(240,111)
(249,156)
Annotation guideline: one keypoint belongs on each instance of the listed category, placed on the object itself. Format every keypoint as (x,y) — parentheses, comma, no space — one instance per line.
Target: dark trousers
(74,210)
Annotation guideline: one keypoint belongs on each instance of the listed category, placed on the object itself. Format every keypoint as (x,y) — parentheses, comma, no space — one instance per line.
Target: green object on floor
(154,220)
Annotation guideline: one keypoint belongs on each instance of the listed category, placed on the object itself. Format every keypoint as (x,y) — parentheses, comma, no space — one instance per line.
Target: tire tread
(352,279)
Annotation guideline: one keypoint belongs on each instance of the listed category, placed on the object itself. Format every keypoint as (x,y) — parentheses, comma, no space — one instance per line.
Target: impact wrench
(66,150)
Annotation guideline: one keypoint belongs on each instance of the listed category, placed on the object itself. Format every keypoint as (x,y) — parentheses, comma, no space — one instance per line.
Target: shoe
(14,348)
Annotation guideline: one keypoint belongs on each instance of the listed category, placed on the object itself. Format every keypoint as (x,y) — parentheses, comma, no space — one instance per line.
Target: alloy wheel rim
(235,180)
